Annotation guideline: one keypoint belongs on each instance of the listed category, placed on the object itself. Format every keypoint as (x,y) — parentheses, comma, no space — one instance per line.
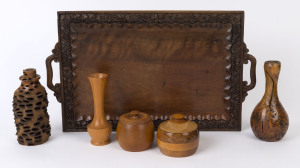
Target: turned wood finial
(134,114)
(178,118)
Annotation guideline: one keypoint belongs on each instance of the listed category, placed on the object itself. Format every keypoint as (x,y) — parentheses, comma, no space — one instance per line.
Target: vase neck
(29,76)
(98,95)
(98,85)
(272,70)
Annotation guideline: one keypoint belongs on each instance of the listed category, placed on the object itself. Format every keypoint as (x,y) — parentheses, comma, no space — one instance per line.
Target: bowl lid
(178,124)
(135,118)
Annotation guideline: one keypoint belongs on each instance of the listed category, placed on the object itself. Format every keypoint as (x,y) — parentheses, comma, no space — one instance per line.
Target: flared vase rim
(98,75)
(273,62)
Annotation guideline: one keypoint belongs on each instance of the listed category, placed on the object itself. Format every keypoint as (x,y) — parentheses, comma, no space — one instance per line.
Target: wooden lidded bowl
(178,137)
(135,131)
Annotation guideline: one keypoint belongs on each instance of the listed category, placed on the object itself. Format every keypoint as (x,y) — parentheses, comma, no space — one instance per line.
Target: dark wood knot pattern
(269,120)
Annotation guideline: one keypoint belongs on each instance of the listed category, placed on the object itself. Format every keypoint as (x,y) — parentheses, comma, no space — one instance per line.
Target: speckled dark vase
(30,110)
(269,121)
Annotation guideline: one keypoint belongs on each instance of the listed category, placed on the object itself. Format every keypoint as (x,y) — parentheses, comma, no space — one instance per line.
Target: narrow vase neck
(272,70)
(98,85)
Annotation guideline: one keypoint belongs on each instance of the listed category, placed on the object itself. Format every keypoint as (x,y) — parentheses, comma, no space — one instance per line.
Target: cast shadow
(154,143)
(245,126)
(113,136)
(205,143)
(252,136)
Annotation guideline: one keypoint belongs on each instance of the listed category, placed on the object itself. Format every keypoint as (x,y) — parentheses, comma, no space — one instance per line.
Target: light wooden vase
(99,129)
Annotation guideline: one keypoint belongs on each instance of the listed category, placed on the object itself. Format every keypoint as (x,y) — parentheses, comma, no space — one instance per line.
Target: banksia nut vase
(269,120)
(99,129)
(30,110)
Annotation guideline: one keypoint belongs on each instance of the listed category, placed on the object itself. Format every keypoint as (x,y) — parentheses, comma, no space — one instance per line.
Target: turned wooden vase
(99,129)
(135,131)
(269,120)
(30,110)
(178,137)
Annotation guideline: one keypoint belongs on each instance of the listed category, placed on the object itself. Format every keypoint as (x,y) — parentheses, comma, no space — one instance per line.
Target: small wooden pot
(135,131)
(178,137)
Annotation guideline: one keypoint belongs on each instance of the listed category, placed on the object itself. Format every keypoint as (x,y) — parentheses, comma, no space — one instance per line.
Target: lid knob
(134,114)
(29,72)
(178,118)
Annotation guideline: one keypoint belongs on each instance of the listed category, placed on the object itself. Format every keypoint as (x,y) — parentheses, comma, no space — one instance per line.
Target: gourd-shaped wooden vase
(99,129)
(269,121)
(30,110)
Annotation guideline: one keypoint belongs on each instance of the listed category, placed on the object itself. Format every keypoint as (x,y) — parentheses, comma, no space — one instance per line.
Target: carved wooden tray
(158,62)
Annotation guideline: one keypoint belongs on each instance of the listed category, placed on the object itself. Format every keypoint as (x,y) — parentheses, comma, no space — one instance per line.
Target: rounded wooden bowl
(178,137)
(135,131)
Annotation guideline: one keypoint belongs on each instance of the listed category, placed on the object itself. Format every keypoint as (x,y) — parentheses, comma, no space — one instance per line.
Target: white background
(28,33)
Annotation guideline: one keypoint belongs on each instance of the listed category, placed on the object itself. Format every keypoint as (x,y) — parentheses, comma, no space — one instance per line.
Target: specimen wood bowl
(135,131)
(178,137)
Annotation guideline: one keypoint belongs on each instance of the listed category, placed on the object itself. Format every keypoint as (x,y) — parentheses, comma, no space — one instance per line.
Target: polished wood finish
(99,129)
(269,120)
(178,150)
(159,62)
(135,131)
(30,110)
(178,137)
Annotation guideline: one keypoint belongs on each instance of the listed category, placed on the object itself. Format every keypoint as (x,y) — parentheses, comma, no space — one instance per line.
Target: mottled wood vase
(30,110)
(269,120)
(99,129)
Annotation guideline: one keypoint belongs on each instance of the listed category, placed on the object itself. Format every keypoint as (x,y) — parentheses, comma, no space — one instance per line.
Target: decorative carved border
(233,88)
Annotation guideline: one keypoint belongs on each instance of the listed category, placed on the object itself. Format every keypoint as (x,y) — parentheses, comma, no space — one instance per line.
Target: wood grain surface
(269,120)
(159,62)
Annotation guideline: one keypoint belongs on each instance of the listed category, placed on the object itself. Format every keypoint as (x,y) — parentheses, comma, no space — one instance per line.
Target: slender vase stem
(98,84)
(99,129)
(272,70)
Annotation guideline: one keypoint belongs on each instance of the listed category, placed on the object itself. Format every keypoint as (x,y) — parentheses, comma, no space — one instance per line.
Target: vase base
(100,143)
(270,139)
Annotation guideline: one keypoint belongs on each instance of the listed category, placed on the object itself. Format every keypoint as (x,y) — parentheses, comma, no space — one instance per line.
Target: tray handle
(251,58)
(55,88)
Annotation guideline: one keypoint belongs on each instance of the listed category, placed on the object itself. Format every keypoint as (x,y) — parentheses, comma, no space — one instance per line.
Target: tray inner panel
(160,69)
